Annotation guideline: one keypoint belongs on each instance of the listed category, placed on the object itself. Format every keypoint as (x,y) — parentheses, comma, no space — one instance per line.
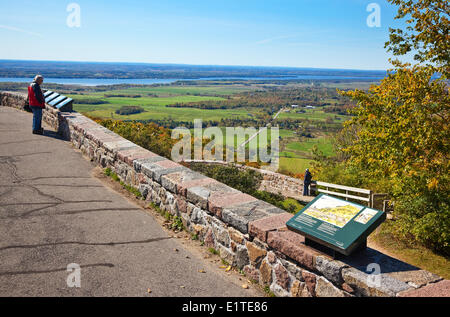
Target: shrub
(150,136)
(127,110)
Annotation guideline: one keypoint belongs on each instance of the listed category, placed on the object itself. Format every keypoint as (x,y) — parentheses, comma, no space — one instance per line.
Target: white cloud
(11,28)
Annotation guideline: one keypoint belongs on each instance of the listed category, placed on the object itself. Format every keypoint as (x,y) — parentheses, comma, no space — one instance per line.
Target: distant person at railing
(307,182)
(37,103)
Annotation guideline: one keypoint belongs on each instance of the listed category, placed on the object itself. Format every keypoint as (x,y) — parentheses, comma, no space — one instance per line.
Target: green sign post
(335,223)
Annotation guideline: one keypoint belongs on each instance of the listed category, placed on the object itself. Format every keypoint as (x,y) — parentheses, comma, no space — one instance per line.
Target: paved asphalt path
(53,213)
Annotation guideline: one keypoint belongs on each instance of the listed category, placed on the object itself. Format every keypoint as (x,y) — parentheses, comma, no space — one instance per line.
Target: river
(150,81)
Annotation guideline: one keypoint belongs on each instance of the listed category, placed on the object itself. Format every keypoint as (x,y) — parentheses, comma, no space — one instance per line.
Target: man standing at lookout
(37,103)
(307,182)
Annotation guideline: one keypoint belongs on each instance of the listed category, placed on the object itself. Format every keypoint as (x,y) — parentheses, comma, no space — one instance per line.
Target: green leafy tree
(403,138)
(398,140)
(427,32)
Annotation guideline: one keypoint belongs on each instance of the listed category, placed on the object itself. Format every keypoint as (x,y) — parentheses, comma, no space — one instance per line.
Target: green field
(155,104)
(313,114)
(295,165)
(324,144)
(155,108)
(295,154)
(175,90)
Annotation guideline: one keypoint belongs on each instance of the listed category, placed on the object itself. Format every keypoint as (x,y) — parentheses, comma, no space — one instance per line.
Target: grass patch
(213,251)
(291,205)
(268,291)
(294,165)
(324,144)
(177,224)
(296,153)
(108,172)
(409,252)
(313,115)
(156,207)
(115,177)
(130,189)
(167,215)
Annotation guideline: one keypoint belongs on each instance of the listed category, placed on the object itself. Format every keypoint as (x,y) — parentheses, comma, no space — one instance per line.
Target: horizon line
(206,65)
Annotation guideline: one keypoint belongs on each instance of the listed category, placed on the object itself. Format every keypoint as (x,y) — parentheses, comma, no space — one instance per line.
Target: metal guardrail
(57,101)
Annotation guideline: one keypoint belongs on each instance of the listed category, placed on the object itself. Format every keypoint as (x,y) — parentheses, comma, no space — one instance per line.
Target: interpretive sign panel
(336,223)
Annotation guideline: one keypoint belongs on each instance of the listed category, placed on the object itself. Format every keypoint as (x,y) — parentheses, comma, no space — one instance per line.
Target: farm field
(312,114)
(295,150)
(154,100)
(211,89)
(155,108)
(323,143)
(294,165)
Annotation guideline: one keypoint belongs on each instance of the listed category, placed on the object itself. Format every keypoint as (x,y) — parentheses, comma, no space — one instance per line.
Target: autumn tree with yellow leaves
(398,139)
(402,140)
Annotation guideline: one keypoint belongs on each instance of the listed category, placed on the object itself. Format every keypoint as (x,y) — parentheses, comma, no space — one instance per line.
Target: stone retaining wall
(281,184)
(272,182)
(248,233)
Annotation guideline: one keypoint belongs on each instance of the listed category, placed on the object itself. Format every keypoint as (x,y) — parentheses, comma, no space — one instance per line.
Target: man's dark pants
(306,189)
(37,118)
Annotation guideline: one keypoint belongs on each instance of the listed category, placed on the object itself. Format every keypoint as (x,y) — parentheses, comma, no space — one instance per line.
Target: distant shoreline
(152,81)
(178,65)
(93,74)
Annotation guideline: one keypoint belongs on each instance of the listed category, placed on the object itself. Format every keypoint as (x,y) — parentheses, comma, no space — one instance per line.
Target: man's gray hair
(38,77)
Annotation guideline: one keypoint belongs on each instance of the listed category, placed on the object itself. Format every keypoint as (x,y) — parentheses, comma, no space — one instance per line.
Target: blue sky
(297,33)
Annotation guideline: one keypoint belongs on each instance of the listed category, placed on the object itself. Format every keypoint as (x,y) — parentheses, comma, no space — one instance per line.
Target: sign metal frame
(346,237)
